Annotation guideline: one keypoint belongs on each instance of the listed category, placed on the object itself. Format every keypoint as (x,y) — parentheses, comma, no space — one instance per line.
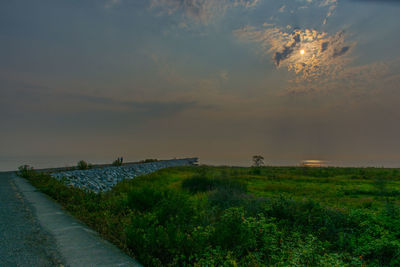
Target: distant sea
(13,162)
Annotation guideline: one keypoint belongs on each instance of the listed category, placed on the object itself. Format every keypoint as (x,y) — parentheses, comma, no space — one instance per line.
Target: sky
(221,80)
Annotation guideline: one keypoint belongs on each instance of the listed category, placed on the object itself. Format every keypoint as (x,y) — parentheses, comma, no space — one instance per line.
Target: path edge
(77,243)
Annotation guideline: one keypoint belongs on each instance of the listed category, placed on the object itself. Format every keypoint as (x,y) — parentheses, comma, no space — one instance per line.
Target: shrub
(144,199)
(161,233)
(148,160)
(83,165)
(380,184)
(224,198)
(231,231)
(311,217)
(25,171)
(175,207)
(117,162)
(199,183)
(255,170)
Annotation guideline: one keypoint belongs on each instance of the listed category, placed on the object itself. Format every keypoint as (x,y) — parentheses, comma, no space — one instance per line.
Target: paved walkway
(23,242)
(35,231)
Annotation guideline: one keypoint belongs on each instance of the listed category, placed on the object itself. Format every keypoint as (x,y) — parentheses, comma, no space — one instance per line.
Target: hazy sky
(219,79)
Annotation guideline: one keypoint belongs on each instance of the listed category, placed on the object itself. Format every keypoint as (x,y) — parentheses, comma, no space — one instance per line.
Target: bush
(161,234)
(83,165)
(148,160)
(224,198)
(199,183)
(25,171)
(255,170)
(117,162)
(144,199)
(224,192)
(232,232)
(309,216)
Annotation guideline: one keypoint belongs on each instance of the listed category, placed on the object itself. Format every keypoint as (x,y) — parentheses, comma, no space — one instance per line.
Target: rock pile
(103,179)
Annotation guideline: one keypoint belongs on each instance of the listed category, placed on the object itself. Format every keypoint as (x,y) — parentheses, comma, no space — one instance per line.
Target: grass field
(225,216)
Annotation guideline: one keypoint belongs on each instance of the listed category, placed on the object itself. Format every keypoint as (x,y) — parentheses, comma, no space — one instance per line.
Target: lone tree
(258,161)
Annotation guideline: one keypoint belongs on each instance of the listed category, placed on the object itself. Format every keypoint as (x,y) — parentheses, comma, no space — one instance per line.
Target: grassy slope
(242,216)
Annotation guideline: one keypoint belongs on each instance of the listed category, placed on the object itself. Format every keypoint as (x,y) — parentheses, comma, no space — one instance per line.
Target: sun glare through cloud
(308,52)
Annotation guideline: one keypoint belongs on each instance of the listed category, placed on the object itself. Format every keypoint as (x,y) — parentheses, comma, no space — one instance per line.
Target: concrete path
(23,242)
(57,238)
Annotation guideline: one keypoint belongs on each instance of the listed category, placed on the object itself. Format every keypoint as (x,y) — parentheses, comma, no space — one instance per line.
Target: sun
(302,52)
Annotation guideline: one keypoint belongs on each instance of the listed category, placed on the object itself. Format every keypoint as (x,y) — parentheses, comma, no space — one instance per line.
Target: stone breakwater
(103,179)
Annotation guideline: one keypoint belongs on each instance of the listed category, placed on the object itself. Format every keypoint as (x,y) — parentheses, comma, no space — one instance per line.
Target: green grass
(220,216)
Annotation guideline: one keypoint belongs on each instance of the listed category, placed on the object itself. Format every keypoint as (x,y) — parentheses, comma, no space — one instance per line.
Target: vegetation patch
(200,183)
(83,165)
(218,216)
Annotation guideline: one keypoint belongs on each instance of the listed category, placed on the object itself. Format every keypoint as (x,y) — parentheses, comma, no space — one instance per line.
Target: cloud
(317,60)
(341,51)
(321,52)
(246,3)
(209,90)
(324,7)
(309,53)
(224,75)
(287,50)
(332,6)
(379,1)
(144,108)
(325,65)
(112,3)
(23,98)
(356,81)
(199,11)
